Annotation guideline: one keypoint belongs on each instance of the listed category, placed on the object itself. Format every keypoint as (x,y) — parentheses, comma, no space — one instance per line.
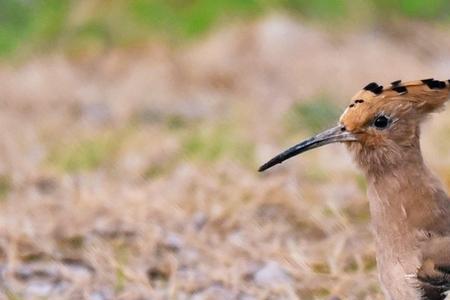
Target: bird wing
(434,273)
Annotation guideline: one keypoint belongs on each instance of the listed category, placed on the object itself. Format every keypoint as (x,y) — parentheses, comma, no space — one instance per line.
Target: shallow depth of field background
(131,131)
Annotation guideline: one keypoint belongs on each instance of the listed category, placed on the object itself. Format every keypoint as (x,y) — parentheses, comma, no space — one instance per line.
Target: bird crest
(423,96)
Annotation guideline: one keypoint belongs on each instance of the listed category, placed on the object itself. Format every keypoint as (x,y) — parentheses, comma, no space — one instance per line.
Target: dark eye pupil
(381,122)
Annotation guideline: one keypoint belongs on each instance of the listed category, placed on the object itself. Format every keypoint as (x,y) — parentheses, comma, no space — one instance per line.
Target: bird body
(409,207)
(410,212)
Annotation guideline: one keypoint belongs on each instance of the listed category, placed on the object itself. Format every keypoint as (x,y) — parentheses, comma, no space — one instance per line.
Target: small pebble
(271,274)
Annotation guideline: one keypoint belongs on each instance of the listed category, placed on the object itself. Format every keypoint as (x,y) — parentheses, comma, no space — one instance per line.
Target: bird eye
(381,122)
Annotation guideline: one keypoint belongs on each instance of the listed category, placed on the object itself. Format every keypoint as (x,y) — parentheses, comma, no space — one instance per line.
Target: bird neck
(402,168)
(405,194)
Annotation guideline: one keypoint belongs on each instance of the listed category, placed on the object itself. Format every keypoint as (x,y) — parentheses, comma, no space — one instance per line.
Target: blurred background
(131,131)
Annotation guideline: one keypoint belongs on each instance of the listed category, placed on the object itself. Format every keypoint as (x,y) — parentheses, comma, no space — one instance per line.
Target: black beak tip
(262,168)
(268,165)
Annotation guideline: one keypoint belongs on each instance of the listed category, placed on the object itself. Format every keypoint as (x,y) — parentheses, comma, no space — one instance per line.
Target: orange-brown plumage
(409,207)
(418,97)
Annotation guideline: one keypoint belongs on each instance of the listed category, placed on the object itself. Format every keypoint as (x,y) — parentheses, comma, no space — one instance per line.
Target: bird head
(380,125)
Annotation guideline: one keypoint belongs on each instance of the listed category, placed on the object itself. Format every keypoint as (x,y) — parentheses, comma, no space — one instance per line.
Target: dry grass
(133,175)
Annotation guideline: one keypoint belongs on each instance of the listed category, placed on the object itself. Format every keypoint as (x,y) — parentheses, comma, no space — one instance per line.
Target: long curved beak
(336,134)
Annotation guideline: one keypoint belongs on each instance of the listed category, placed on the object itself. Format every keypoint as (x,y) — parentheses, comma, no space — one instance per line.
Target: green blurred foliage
(322,9)
(189,18)
(13,24)
(79,24)
(313,115)
(214,143)
(40,22)
(86,154)
(423,9)
(5,186)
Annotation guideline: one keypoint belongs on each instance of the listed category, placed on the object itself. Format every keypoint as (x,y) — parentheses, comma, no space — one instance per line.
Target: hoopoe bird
(409,207)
